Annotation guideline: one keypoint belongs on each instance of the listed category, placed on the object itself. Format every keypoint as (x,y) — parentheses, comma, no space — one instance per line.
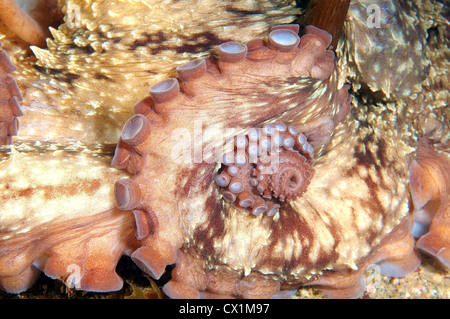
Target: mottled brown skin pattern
(361,163)
(220,250)
(413,90)
(10,99)
(105,47)
(57,214)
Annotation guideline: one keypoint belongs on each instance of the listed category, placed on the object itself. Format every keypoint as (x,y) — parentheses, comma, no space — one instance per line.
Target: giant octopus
(249,172)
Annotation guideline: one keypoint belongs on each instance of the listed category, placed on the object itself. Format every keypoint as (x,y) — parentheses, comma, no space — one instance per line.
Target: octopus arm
(10,99)
(430,190)
(218,245)
(21,23)
(65,224)
(119,47)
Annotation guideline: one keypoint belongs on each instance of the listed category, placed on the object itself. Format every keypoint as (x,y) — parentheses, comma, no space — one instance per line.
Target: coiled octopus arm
(261,85)
(10,99)
(30,24)
(268,167)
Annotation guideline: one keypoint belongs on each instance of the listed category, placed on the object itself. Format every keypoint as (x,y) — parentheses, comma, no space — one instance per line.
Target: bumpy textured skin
(57,210)
(393,29)
(420,103)
(361,165)
(220,250)
(10,98)
(106,55)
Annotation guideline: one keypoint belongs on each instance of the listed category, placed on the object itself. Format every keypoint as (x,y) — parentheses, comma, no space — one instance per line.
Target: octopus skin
(342,143)
(430,189)
(395,254)
(70,127)
(10,98)
(370,49)
(105,47)
(220,249)
(419,99)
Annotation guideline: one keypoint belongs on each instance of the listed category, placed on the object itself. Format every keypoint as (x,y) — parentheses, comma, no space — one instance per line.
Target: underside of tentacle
(177,144)
(75,233)
(268,166)
(430,190)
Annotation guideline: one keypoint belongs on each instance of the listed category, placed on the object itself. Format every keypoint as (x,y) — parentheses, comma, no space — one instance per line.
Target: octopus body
(227,246)
(386,46)
(250,171)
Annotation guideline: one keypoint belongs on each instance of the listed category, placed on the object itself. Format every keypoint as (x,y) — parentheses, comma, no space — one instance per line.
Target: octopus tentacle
(245,79)
(91,263)
(395,256)
(21,23)
(189,281)
(86,262)
(273,163)
(10,99)
(318,15)
(430,190)
(184,207)
(84,243)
